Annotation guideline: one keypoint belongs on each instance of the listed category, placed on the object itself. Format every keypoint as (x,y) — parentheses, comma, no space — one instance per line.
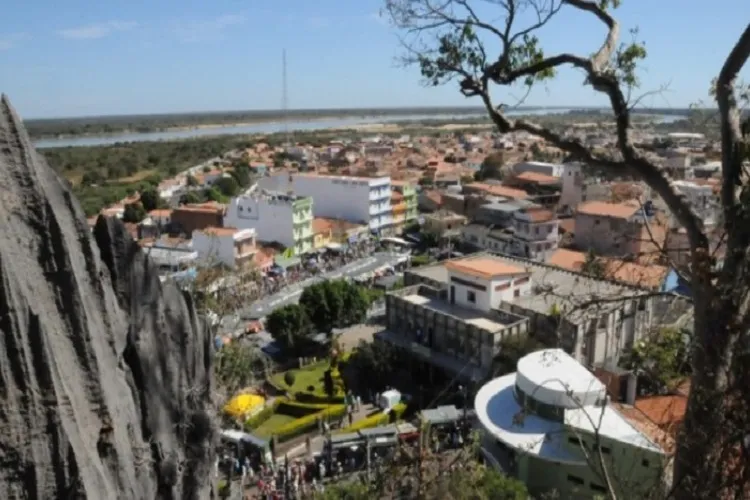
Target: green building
(302,219)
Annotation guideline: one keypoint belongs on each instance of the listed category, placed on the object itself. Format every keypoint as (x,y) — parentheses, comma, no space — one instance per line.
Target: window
(516,293)
(536,230)
(471,296)
(645,463)
(605,450)
(575,442)
(575,479)
(597,222)
(597,488)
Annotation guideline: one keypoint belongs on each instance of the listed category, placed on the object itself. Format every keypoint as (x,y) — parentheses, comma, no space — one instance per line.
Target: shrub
(308,423)
(420,260)
(378,419)
(313,398)
(296,410)
(289,378)
(264,414)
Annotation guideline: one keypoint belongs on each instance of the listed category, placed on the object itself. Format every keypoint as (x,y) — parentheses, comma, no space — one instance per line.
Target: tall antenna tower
(285,99)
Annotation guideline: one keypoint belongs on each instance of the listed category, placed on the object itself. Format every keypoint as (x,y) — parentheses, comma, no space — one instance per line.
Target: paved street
(292,293)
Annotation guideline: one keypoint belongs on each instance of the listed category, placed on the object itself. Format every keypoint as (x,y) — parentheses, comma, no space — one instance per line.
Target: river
(276,126)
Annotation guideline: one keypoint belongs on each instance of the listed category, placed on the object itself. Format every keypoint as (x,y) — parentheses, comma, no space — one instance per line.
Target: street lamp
(464,390)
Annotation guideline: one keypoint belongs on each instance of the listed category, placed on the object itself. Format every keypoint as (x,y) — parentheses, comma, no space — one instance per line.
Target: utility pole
(368,460)
(285,99)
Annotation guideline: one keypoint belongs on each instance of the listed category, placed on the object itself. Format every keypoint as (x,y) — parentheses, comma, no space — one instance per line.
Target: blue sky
(81,58)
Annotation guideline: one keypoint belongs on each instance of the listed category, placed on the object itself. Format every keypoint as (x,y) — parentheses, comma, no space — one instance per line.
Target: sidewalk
(297,446)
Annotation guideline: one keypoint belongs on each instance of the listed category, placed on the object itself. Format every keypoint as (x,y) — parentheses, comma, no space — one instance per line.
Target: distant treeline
(98,125)
(101,125)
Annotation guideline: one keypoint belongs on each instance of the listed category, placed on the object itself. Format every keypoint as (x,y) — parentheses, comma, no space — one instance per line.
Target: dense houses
(529,204)
(540,248)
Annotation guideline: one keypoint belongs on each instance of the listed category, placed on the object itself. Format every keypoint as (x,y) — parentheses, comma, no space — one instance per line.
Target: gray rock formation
(105,373)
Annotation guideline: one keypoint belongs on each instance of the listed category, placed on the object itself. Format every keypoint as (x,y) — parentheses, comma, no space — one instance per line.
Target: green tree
(661,361)
(150,199)
(492,167)
(594,266)
(133,212)
(356,303)
(213,194)
(227,186)
(314,300)
(191,197)
(483,54)
(241,173)
(238,365)
(375,363)
(467,480)
(334,304)
(191,181)
(290,326)
(92,177)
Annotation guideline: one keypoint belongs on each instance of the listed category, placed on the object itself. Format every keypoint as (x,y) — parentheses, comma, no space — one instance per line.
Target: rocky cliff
(105,372)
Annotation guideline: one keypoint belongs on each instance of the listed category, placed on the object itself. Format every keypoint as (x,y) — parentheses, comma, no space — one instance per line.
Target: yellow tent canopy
(244,404)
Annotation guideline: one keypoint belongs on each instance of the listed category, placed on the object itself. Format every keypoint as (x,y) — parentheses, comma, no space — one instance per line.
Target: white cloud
(8,42)
(95,31)
(204,30)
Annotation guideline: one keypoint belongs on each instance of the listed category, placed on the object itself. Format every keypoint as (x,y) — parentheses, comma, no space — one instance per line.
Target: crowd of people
(313,264)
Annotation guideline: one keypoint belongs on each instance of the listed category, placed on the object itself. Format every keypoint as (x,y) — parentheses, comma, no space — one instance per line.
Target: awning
(334,246)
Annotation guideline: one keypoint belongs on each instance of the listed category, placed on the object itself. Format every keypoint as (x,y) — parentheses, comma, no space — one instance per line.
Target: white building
(361,200)
(552,421)
(539,167)
(229,246)
(703,198)
(484,283)
(170,187)
(275,216)
(532,232)
(573,190)
(536,232)
(462,309)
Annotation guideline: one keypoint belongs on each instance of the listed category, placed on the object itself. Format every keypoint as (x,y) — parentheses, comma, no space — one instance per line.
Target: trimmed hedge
(310,406)
(378,419)
(296,410)
(308,423)
(312,398)
(264,414)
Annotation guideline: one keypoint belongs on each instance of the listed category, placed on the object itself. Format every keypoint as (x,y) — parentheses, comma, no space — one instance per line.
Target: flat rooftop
(474,317)
(551,286)
(498,411)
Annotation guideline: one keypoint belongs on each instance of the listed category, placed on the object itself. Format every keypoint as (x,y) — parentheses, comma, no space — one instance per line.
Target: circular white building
(543,417)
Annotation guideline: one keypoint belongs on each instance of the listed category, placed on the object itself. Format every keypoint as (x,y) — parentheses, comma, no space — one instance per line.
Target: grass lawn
(276,421)
(308,376)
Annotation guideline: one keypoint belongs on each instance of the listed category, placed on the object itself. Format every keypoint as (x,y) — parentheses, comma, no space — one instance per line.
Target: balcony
(380,194)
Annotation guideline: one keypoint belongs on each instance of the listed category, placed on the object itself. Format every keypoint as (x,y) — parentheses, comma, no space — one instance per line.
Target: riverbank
(181,128)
